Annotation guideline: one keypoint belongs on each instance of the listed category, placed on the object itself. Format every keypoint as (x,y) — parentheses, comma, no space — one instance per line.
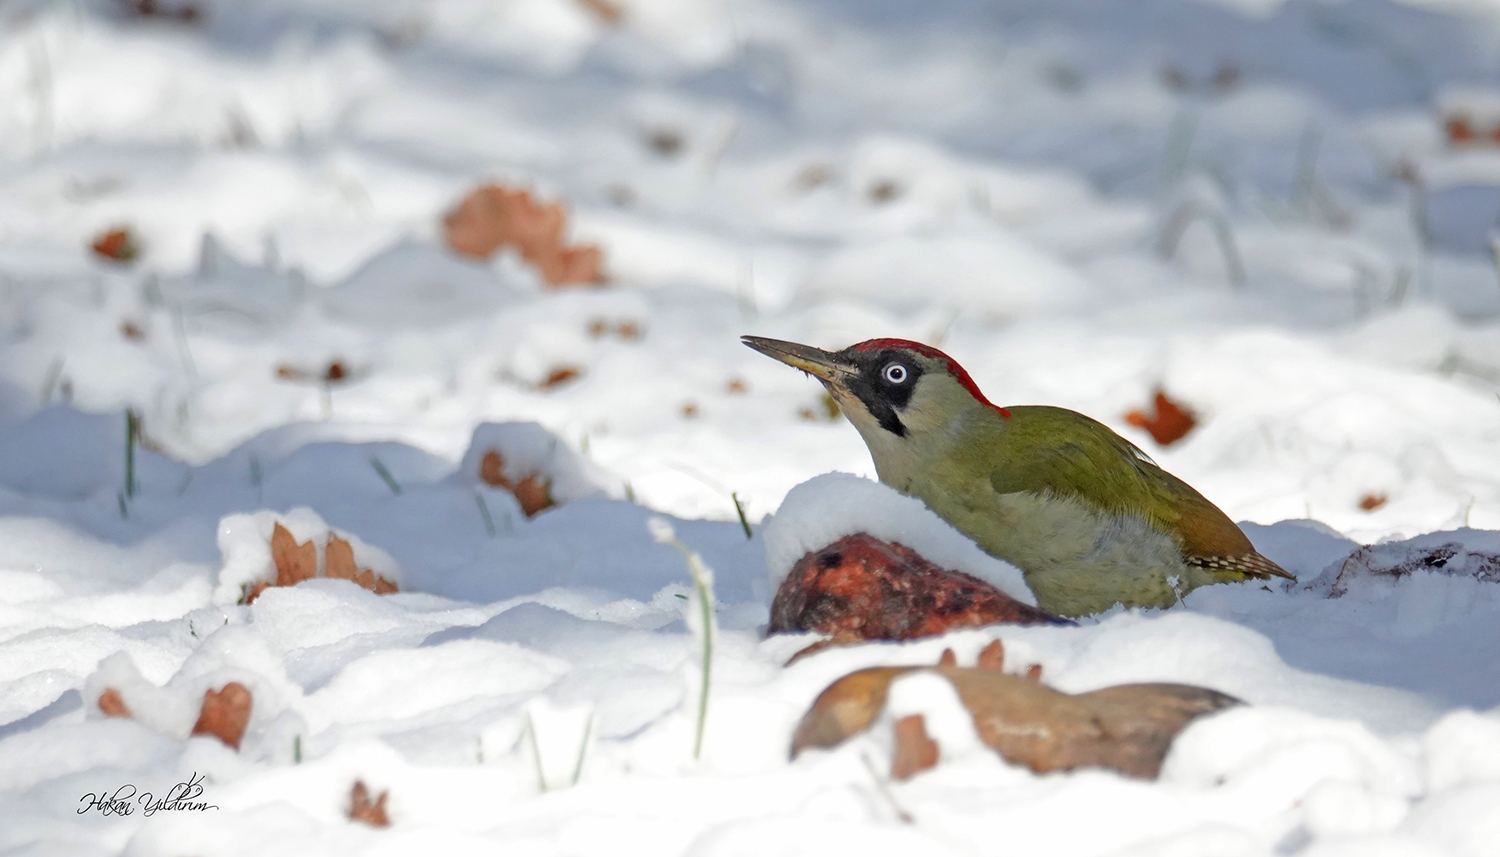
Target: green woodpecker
(1089,519)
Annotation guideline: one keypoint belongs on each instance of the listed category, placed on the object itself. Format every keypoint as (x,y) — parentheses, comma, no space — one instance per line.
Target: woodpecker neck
(935,422)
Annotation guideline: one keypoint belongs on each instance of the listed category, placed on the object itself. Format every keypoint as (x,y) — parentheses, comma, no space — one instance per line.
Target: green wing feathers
(1070,455)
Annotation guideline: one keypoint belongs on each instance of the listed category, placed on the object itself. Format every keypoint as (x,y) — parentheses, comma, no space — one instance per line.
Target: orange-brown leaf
(1371,502)
(294,563)
(558,376)
(1168,423)
(254,591)
(112,704)
(915,751)
(533,494)
(1128,728)
(992,657)
(1460,132)
(494,216)
(606,11)
(117,245)
(225,713)
(338,559)
(531,491)
(361,808)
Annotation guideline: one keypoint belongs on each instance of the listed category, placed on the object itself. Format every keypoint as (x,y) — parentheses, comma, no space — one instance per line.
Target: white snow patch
(826,508)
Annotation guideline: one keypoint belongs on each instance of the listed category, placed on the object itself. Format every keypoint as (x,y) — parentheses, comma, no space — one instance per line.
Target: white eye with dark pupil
(895,373)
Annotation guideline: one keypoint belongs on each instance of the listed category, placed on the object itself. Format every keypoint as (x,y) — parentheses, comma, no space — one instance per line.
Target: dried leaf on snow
(117,245)
(532,491)
(1128,728)
(495,216)
(225,713)
(362,808)
(112,704)
(1168,422)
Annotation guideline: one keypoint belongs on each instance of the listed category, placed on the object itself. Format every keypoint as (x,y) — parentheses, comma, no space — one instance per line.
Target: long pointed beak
(823,365)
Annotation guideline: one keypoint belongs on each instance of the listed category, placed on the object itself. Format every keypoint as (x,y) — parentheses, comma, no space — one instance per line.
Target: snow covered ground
(1253,205)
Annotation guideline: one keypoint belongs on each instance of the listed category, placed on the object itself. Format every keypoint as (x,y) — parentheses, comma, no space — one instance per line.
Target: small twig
(703,588)
(385,474)
(1307,166)
(1177,225)
(49,382)
(184,353)
(885,790)
(583,748)
(132,433)
(1179,144)
(740,510)
(484,512)
(536,753)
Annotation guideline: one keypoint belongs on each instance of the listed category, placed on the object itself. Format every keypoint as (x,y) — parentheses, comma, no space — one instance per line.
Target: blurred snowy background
(227,219)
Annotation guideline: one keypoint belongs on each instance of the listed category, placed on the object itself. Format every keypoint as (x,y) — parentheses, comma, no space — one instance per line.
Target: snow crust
(826,508)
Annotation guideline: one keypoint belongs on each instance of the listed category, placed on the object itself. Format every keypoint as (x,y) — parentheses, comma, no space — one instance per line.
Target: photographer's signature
(125,800)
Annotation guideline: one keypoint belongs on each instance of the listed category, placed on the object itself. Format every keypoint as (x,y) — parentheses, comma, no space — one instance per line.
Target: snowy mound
(527,448)
(416,285)
(826,508)
(245,542)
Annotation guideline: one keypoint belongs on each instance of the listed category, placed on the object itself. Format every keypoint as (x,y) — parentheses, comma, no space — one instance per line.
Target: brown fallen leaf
(813,176)
(915,751)
(559,376)
(251,591)
(338,563)
(294,563)
(117,245)
(131,331)
(736,387)
(606,11)
(338,559)
(361,808)
(112,704)
(884,191)
(992,656)
(225,713)
(1128,728)
(185,13)
(1371,502)
(532,491)
(336,372)
(664,141)
(494,216)
(868,589)
(689,410)
(1168,423)
(1460,132)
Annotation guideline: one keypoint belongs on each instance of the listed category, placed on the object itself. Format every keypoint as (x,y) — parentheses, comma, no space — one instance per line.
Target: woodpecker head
(889,388)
